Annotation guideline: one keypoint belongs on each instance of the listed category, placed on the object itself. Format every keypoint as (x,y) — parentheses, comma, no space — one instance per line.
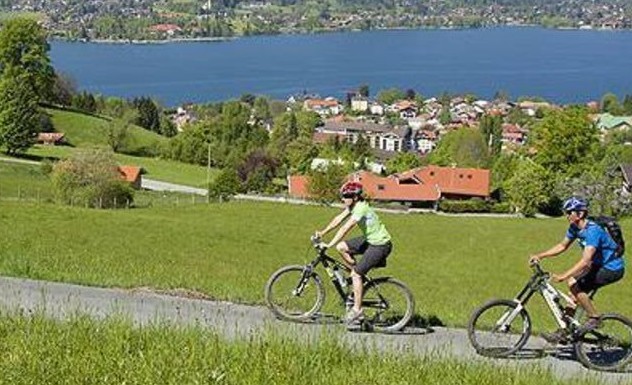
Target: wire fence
(141,198)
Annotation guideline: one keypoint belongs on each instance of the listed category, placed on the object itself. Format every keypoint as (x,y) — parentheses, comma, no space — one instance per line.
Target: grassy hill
(88,131)
(228,251)
(83,130)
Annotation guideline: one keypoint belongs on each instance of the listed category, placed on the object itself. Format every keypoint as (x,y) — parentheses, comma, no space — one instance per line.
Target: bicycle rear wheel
(294,293)
(498,328)
(388,304)
(609,347)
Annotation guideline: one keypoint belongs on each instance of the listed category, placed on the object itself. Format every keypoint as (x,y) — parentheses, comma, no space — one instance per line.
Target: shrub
(91,179)
(464,206)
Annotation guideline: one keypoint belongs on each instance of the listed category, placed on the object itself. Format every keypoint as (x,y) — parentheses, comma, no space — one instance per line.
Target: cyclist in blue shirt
(600,264)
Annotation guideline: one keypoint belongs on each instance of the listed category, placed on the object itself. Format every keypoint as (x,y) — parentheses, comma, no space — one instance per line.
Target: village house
(380,136)
(608,122)
(323,107)
(51,138)
(168,30)
(418,187)
(181,118)
(512,136)
(132,174)
(359,103)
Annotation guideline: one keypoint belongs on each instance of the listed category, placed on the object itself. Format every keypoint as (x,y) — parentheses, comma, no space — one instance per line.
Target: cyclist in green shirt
(375,244)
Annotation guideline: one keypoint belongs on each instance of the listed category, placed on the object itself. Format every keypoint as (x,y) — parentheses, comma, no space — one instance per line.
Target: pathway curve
(59,300)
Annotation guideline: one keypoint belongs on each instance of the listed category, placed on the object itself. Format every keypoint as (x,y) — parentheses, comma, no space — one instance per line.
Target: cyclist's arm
(553,251)
(342,232)
(581,265)
(335,222)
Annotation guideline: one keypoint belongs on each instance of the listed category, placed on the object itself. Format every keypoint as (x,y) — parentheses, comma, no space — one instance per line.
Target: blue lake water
(564,66)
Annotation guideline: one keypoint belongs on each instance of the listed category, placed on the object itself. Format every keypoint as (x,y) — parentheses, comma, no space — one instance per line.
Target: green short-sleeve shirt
(374,230)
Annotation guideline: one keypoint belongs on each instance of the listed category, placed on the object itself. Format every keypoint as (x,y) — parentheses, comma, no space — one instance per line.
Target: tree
(324,184)
(464,147)
(64,89)
(565,141)
(85,101)
(610,104)
(148,115)
(403,161)
(529,188)
(491,128)
(90,179)
(363,90)
(118,132)
(299,155)
(225,185)
(19,111)
(390,96)
(627,105)
(411,94)
(23,45)
(257,171)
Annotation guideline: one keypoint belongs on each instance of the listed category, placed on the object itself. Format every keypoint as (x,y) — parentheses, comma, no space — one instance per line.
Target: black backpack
(613,229)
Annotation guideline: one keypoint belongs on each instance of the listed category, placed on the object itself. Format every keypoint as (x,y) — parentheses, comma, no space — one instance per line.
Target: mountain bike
(297,292)
(501,327)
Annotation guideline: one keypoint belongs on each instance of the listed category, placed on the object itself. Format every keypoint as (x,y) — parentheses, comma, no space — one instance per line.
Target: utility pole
(208,174)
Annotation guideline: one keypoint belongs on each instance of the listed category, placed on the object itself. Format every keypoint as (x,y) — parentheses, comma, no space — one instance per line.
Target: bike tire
(285,303)
(491,339)
(388,304)
(608,348)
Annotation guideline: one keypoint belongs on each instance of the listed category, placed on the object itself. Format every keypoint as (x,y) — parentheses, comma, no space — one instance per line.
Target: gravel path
(142,306)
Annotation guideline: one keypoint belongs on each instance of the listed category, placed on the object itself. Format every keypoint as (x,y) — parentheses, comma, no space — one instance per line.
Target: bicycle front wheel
(294,293)
(609,347)
(499,328)
(388,304)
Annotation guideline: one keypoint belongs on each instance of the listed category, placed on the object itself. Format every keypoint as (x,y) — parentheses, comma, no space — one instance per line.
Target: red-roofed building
(169,29)
(52,138)
(131,174)
(418,186)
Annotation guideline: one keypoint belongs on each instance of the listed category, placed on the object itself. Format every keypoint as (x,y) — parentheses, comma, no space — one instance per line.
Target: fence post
(177,200)
(193,199)
(19,193)
(100,202)
(115,206)
(38,196)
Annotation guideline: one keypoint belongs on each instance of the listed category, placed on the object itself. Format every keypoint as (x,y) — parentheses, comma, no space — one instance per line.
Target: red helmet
(351,189)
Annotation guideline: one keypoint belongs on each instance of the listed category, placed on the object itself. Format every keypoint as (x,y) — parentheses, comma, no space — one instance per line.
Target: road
(142,306)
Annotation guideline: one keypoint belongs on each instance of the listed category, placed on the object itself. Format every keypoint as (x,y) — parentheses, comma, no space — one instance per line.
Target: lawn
(23,181)
(228,251)
(38,350)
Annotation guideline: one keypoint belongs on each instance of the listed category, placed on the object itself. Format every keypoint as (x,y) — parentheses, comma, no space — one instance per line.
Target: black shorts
(597,277)
(373,255)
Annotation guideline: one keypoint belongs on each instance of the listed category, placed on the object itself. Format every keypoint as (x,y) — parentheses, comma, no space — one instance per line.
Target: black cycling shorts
(373,255)
(597,277)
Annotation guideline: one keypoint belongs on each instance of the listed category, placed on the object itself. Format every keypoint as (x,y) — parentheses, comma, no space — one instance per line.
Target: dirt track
(233,320)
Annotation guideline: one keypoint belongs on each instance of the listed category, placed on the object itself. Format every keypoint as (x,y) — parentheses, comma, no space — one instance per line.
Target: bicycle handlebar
(538,269)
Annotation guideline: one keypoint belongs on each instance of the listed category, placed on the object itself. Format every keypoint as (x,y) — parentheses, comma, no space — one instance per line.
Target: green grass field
(23,181)
(38,350)
(228,251)
(83,130)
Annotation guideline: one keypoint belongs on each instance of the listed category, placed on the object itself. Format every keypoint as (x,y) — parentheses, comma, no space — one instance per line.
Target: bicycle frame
(328,263)
(539,283)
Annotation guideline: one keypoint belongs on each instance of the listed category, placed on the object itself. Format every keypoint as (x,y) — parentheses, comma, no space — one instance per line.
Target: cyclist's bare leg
(347,258)
(584,301)
(357,291)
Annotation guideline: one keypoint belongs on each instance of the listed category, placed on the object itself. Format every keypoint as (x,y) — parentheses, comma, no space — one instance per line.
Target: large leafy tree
(19,112)
(403,161)
(23,45)
(529,187)
(491,129)
(565,141)
(464,147)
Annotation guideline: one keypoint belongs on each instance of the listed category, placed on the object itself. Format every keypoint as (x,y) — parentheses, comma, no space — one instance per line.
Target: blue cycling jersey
(595,236)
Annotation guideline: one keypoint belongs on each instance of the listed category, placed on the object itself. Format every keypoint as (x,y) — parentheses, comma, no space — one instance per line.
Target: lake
(564,66)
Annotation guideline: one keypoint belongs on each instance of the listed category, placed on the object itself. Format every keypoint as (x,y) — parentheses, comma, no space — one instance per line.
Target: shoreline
(294,33)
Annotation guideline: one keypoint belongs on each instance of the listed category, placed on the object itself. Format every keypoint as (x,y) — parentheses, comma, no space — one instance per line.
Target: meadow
(227,251)
(38,350)
(83,131)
